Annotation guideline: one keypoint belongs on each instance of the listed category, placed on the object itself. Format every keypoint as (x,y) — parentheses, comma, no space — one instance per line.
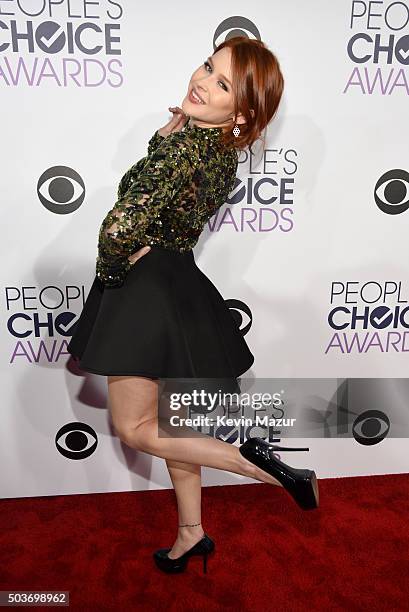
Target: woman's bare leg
(187,482)
(133,404)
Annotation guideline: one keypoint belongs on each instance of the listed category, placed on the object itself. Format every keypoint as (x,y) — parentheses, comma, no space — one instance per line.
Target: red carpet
(350,554)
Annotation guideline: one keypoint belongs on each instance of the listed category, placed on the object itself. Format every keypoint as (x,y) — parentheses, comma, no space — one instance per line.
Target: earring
(236,130)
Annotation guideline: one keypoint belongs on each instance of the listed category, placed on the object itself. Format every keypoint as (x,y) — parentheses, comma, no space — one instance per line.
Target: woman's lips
(193,99)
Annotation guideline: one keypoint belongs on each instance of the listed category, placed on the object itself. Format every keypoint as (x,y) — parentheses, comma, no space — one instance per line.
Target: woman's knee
(132,402)
(134,435)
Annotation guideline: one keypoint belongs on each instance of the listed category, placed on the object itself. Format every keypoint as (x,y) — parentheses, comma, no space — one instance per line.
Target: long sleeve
(125,181)
(154,142)
(165,172)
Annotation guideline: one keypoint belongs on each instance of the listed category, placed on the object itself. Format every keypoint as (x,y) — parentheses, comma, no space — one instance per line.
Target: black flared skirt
(168,320)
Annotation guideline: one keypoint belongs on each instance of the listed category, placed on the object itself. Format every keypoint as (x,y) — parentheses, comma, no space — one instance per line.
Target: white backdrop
(325,203)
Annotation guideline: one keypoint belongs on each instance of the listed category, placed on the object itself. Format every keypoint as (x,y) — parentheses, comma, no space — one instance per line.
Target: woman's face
(212,83)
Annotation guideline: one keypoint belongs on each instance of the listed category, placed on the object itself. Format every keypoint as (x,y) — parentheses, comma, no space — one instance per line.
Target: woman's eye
(207,65)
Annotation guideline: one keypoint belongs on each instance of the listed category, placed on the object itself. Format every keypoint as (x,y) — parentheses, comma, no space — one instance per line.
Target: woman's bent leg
(133,403)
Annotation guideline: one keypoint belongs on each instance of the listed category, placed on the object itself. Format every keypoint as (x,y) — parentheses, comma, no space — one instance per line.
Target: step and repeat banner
(310,252)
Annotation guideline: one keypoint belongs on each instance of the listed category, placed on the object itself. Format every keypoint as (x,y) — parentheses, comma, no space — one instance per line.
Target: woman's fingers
(178,113)
(176,123)
(176,109)
(138,254)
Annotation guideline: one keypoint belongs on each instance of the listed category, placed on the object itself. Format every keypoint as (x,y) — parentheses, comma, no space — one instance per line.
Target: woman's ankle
(190,531)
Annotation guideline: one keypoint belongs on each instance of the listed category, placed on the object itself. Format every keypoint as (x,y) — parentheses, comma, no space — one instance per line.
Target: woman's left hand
(176,124)
(138,254)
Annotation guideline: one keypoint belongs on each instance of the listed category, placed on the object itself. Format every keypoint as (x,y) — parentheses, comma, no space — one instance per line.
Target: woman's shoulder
(179,139)
(178,145)
(200,148)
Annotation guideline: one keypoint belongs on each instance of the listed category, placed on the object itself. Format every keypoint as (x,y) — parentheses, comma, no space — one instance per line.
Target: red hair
(257,84)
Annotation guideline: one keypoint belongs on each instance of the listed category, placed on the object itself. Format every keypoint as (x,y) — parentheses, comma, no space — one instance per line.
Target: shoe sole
(311,494)
(314,483)
(313,503)
(313,500)
(167,570)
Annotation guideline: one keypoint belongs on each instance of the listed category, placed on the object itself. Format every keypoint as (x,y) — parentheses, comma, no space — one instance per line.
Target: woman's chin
(188,107)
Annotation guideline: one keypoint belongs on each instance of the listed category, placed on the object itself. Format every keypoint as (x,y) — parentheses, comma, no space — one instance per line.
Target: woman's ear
(240,119)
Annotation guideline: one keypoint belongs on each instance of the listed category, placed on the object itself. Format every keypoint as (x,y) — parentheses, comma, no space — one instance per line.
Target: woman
(152,314)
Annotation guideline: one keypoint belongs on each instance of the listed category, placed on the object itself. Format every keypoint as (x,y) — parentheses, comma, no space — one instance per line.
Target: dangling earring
(236,130)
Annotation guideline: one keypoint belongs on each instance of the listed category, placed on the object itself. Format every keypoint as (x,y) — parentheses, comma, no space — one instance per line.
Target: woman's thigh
(132,400)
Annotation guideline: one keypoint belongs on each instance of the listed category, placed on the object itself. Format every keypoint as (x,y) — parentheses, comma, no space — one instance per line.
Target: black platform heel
(301,484)
(175,566)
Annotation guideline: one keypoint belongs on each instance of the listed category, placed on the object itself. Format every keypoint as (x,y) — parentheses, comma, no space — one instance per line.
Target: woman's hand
(138,254)
(177,122)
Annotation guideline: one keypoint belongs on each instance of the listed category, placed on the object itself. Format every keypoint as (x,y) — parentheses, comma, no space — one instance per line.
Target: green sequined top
(166,198)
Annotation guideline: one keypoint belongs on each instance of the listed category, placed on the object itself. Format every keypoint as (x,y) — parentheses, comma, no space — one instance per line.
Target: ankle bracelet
(190,525)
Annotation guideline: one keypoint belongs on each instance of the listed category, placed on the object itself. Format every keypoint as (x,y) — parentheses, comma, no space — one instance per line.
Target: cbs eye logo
(237,310)
(391,192)
(236,25)
(61,190)
(371,427)
(76,441)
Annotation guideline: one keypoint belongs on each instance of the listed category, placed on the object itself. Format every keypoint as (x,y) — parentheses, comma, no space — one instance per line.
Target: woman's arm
(154,142)
(125,181)
(166,171)
(175,124)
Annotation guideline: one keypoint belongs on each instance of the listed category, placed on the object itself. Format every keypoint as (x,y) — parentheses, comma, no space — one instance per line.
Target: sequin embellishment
(166,198)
